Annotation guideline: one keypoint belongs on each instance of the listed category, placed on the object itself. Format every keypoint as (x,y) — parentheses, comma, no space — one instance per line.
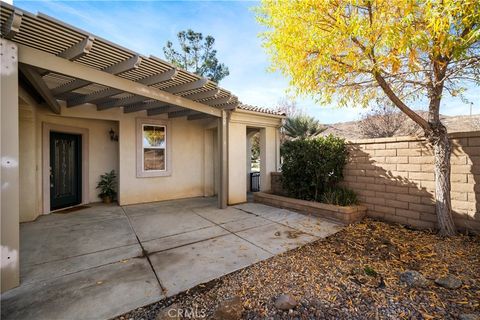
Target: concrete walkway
(103,261)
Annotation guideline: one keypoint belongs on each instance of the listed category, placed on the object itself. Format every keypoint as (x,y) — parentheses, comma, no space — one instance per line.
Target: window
(153,148)
(154,145)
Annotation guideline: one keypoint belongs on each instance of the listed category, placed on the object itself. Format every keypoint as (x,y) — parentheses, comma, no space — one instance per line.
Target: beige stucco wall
(209,162)
(269,157)
(102,152)
(237,157)
(193,164)
(28,160)
(187,158)
(240,123)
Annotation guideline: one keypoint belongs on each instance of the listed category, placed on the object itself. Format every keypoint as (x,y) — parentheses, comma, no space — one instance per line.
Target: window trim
(141,173)
(154,147)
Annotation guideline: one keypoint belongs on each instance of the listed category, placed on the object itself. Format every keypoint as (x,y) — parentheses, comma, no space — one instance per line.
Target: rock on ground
(449,282)
(413,278)
(230,309)
(469,316)
(285,302)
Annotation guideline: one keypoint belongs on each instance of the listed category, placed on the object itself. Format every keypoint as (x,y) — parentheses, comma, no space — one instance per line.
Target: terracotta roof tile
(260,109)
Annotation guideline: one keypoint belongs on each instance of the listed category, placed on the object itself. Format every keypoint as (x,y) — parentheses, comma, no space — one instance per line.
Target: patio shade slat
(26,41)
(53,36)
(47,30)
(91,59)
(45,40)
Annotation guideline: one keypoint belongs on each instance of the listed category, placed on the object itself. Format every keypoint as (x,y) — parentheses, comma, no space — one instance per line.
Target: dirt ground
(353,274)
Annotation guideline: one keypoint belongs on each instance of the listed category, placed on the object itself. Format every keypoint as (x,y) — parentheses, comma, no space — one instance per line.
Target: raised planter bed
(346,215)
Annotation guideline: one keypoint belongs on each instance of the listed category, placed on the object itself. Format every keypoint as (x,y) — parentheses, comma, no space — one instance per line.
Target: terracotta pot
(107,199)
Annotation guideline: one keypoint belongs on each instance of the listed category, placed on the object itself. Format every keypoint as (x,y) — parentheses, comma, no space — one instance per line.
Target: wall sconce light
(113,135)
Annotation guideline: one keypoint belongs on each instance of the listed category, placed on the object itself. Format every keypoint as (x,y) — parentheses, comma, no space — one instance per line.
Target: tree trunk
(443,206)
(437,136)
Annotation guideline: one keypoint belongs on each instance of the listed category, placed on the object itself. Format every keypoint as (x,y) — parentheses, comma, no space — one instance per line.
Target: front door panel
(65,170)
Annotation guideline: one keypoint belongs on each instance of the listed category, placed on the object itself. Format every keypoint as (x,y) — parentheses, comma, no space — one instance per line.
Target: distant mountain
(351,129)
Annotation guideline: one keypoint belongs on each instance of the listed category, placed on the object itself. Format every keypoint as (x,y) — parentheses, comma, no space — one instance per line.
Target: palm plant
(107,186)
(302,127)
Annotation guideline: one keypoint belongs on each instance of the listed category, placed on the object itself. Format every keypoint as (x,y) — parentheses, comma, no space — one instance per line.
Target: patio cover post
(222,132)
(268,156)
(9,173)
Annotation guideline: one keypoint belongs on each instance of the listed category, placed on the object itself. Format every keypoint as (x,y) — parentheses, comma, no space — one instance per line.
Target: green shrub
(312,166)
(107,184)
(339,196)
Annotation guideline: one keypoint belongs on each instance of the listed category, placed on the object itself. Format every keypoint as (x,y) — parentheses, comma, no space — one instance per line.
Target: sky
(145,27)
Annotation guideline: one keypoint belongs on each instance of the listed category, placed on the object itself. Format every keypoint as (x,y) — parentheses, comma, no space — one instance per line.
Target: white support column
(9,176)
(222,147)
(268,156)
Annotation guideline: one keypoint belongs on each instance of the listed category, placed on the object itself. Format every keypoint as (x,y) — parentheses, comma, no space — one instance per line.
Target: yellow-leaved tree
(354,51)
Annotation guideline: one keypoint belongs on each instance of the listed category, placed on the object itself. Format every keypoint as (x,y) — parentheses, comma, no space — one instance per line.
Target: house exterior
(74,106)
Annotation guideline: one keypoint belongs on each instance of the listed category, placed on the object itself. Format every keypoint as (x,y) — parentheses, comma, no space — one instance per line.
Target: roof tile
(260,109)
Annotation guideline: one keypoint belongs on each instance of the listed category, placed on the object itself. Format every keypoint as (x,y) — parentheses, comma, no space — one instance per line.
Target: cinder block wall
(276,184)
(394,178)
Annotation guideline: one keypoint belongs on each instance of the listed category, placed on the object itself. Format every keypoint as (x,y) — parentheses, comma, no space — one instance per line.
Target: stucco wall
(209,162)
(237,158)
(102,152)
(190,141)
(187,164)
(193,151)
(269,157)
(394,178)
(28,161)
(242,122)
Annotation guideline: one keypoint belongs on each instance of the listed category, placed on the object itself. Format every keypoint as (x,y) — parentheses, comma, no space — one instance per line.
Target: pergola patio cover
(65,63)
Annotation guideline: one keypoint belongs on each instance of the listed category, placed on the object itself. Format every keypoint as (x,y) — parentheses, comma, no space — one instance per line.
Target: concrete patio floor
(103,261)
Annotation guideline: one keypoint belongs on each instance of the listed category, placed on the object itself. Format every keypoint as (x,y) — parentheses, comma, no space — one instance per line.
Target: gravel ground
(353,274)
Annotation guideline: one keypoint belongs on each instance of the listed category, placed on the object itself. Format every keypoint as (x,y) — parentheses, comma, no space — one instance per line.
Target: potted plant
(107,186)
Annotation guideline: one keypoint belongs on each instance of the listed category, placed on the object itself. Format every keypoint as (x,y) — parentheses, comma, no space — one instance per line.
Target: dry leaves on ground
(353,274)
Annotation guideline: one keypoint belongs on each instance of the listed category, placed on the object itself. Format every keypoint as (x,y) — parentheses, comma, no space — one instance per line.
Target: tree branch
(389,92)
(349,66)
(399,103)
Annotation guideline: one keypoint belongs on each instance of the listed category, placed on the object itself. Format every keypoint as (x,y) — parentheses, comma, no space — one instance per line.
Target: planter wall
(276,184)
(346,215)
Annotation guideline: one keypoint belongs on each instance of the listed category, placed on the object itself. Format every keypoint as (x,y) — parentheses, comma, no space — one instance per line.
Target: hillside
(351,130)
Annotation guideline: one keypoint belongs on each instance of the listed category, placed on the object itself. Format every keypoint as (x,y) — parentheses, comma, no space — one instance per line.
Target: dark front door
(65,170)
